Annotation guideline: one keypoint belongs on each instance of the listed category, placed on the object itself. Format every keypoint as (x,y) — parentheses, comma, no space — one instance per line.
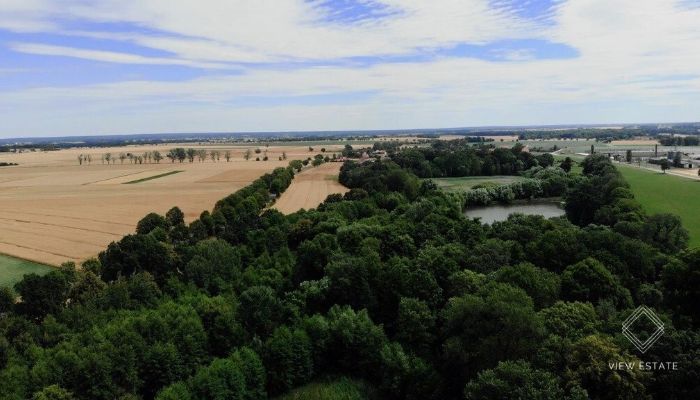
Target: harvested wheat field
(635,142)
(310,188)
(53,210)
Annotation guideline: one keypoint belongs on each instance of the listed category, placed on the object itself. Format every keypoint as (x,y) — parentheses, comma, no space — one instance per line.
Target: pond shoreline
(547,207)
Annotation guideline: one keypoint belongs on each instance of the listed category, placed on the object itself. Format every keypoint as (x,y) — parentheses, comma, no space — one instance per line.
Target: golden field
(53,210)
(310,188)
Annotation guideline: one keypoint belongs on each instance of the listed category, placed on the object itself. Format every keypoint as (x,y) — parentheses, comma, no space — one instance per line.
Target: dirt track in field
(310,188)
(53,210)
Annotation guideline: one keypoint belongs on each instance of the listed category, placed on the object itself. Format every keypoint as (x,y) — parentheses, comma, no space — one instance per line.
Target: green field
(342,389)
(13,269)
(468,182)
(660,193)
(151,177)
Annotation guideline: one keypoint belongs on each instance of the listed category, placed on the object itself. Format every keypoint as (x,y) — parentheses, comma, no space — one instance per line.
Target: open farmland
(665,193)
(310,188)
(54,210)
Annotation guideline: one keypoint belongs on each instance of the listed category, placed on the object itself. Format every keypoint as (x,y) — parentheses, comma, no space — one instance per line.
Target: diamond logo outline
(643,311)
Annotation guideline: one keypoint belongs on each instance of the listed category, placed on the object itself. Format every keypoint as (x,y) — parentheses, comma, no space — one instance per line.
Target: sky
(89,67)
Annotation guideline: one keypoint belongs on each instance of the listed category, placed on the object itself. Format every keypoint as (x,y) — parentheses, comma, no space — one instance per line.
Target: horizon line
(348,131)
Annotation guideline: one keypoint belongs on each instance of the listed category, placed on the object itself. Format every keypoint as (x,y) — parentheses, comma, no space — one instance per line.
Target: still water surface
(500,212)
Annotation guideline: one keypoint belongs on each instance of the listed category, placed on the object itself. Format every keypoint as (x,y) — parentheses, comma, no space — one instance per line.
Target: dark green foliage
(589,280)
(137,253)
(382,176)
(566,164)
(514,380)
(4,352)
(221,380)
(213,266)
(175,217)
(253,372)
(288,359)
(42,295)
(541,285)
(337,389)
(53,392)
(570,320)
(151,222)
(460,158)
(665,232)
(681,283)
(497,323)
(176,391)
(601,195)
(7,300)
(260,310)
(587,366)
(415,323)
(354,342)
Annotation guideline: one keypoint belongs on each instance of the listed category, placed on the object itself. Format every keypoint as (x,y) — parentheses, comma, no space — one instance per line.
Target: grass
(151,177)
(467,182)
(663,193)
(341,389)
(13,269)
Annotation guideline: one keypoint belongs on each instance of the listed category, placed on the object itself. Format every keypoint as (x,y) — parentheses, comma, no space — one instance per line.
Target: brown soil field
(53,210)
(310,188)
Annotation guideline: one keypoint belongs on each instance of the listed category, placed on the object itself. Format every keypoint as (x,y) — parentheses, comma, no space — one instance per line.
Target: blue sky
(80,67)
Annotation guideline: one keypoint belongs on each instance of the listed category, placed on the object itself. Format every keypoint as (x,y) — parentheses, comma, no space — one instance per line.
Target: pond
(500,212)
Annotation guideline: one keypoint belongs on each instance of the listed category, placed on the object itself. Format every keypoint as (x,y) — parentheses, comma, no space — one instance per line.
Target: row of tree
(672,140)
(176,154)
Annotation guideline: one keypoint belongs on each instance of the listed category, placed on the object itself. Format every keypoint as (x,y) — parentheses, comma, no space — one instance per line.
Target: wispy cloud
(108,56)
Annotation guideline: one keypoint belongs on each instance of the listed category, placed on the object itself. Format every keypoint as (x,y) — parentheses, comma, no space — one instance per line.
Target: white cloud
(638,61)
(108,56)
(255,30)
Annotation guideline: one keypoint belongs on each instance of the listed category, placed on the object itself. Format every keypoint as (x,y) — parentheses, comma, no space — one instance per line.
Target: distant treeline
(602,134)
(458,158)
(7,164)
(679,140)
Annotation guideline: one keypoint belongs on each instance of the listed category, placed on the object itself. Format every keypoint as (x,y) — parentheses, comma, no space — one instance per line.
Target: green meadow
(152,177)
(13,269)
(663,193)
(468,182)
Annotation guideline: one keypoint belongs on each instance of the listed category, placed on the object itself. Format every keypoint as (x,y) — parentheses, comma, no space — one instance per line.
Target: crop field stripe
(665,193)
(60,235)
(113,177)
(117,235)
(76,218)
(152,177)
(66,256)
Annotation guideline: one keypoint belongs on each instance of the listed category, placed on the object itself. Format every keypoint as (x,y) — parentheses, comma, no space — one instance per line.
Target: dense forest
(388,284)
(457,158)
